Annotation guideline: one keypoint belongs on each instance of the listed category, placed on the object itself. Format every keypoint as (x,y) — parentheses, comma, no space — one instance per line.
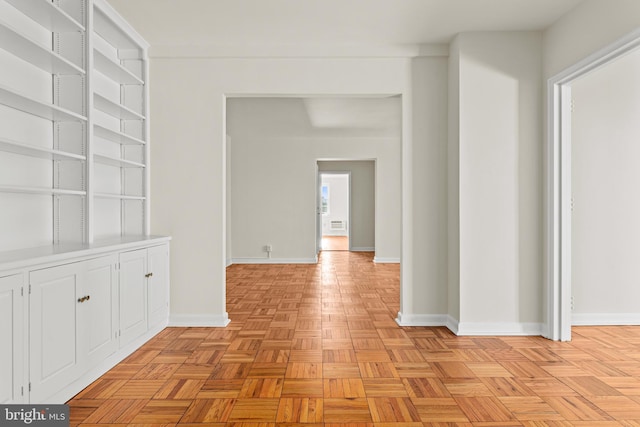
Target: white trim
(228,262)
(453,324)
(380,260)
(499,329)
(362,249)
(274,260)
(199,320)
(558,190)
(596,319)
(245,50)
(422,319)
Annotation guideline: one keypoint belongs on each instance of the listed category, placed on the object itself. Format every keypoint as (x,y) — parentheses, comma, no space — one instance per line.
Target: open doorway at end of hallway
(335,202)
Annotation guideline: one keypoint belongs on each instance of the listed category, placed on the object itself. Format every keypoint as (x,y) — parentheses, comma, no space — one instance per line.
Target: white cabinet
(100,309)
(54,329)
(158,284)
(11,335)
(133,295)
(73,322)
(68,317)
(144,290)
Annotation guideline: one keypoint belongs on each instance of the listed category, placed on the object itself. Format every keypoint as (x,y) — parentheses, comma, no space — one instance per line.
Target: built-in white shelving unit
(43,123)
(73,123)
(119,125)
(74,198)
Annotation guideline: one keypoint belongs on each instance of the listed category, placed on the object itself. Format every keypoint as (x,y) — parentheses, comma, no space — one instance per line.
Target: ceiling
(259,28)
(325,117)
(237,26)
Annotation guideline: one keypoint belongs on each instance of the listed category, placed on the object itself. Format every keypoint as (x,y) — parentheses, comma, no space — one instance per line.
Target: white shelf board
(32,151)
(41,109)
(42,57)
(117,196)
(48,15)
(40,190)
(111,32)
(114,70)
(59,252)
(115,136)
(114,109)
(113,161)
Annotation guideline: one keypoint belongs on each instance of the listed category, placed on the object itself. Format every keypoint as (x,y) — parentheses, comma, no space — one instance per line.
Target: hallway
(318,344)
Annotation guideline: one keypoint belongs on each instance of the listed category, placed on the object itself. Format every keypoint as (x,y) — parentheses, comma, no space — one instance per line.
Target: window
(324,194)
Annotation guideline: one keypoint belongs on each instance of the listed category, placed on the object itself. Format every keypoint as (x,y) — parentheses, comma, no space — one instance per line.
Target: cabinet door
(11,336)
(100,311)
(158,284)
(54,354)
(133,295)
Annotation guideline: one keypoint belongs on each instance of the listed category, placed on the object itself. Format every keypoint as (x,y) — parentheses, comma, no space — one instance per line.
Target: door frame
(558,185)
(319,202)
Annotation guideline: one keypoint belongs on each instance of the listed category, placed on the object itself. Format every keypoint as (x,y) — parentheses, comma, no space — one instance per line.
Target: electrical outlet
(268,248)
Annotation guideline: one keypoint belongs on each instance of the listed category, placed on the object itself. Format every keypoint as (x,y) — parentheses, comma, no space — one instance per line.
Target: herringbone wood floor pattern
(317,345)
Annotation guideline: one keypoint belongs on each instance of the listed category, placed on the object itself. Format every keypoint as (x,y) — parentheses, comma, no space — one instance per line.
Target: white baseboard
(421,319)
(229,262)
(380,260)
(274,260)
(605,319)
(199,320)
(453,324)
(470,328)
(499,329)
(362,249)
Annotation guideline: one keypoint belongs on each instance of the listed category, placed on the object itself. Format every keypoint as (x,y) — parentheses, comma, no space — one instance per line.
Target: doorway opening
(559,186)
(335,208)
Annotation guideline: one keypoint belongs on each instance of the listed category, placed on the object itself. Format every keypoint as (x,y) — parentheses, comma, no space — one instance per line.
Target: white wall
(338,204)
(591,26)
(188,155)
(425,219)
(605,176)
(499,143)
(363,204)
(274,194)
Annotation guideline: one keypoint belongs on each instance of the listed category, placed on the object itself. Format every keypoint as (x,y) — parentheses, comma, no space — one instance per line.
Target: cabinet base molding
(199,320)
(81,383)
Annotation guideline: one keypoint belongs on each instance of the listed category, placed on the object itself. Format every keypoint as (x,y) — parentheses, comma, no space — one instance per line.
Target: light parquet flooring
(317,345)
(335,243)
